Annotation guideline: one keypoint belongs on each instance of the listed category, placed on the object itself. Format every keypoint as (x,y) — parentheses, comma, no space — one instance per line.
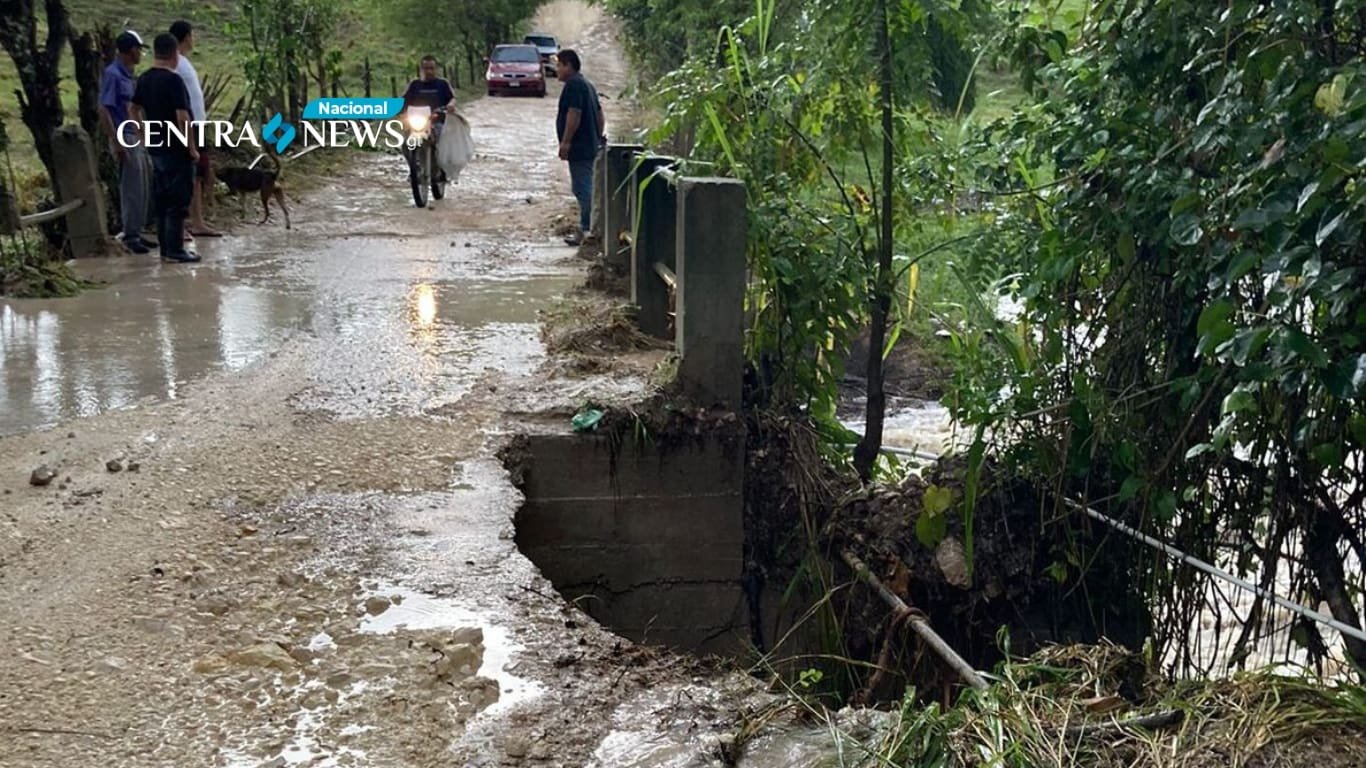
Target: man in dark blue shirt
(116,92)
(579,126)
(430,91)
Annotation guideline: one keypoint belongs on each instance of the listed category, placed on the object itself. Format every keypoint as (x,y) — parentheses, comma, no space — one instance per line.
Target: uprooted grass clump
(585,327)
(1065,706)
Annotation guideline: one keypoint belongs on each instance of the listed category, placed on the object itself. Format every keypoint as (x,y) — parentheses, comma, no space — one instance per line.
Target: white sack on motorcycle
(455,148)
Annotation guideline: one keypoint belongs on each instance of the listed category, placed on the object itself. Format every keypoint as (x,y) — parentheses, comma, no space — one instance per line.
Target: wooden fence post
(77,179)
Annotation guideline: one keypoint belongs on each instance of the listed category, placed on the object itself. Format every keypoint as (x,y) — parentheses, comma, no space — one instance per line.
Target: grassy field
(360,35)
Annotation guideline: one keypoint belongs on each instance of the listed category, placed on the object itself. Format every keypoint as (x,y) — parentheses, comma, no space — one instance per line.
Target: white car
(548,47)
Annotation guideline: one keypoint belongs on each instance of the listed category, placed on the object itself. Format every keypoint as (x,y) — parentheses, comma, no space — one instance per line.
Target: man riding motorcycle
(434,93)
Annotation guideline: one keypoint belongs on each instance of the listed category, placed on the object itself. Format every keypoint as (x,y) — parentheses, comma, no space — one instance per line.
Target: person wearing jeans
(161,101)
(116,93)
(579,126)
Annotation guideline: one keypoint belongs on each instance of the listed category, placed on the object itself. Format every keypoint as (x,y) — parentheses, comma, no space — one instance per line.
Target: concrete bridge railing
(684,241)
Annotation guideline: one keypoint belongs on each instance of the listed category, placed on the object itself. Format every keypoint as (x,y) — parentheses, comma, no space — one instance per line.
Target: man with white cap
(116,91)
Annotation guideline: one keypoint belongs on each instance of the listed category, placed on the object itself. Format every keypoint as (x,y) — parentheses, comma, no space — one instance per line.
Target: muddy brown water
(394,290)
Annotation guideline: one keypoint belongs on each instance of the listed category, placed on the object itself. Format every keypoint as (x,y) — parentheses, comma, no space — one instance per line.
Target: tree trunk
(1322,551)
(91,52)
(40,102)
(866,454)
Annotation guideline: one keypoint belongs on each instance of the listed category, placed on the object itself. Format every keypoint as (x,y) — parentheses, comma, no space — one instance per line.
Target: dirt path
(306,557)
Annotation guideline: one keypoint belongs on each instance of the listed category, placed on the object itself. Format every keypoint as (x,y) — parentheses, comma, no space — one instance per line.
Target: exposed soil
(915,369)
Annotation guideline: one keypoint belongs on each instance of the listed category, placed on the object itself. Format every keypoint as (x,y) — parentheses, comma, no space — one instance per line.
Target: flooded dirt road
(276,532)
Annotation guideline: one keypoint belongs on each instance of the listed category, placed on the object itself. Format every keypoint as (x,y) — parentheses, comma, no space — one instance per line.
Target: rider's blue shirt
(422,93)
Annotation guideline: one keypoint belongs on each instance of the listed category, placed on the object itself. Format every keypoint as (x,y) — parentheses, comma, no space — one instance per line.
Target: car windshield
(519,53)
(541,42)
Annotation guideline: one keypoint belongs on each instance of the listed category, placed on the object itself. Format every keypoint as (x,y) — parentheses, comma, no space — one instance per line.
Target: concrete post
(595,217)
(655,241)
(74,157)
(615,184)
(710,322)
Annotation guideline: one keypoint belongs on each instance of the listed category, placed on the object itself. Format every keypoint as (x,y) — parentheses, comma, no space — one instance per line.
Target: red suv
(515,69)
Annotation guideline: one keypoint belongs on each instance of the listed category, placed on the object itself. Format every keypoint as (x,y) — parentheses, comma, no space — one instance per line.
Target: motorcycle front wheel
(422,174)
(438,180)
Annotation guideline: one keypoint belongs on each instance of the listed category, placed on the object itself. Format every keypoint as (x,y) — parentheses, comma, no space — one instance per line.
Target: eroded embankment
(692,529)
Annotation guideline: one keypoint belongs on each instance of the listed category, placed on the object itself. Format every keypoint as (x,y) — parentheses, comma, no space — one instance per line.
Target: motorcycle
(423,171)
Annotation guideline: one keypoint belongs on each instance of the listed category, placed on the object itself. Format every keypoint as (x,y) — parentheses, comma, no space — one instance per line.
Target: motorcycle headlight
(417,122)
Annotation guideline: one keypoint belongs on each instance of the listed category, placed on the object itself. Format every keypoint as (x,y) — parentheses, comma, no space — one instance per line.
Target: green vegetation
(1170,192)
(1062,708)
(1185,232)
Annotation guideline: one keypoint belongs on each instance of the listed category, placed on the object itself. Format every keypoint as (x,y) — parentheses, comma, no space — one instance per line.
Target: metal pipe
(1219,573)
(56,213)
(666,274)
(918,623)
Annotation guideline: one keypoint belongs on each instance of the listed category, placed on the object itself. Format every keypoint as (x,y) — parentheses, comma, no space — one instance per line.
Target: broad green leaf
(931,529)
(1186,230)
(1183,204)
(1305,194)
(1199,450)
(1130,488)
(1166,507)
(937,500)
(1239,400)
(1254,219)
(1305,348)
(1214,326)
(1327,229)
(1242,265)
(1330,96)
(1347,378)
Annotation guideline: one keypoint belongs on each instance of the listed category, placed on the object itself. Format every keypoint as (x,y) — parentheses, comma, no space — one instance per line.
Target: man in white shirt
(203,186)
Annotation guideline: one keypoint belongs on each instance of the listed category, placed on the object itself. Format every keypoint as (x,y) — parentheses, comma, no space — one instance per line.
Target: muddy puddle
(411,610)
(407,325)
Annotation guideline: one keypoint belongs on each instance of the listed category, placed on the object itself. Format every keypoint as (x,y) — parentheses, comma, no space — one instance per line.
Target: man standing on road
(116,91)
(203,184)
(161,100)
(579,126)
(433,92)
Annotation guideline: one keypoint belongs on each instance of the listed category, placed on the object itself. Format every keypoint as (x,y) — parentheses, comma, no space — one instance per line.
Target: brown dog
(241,181)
